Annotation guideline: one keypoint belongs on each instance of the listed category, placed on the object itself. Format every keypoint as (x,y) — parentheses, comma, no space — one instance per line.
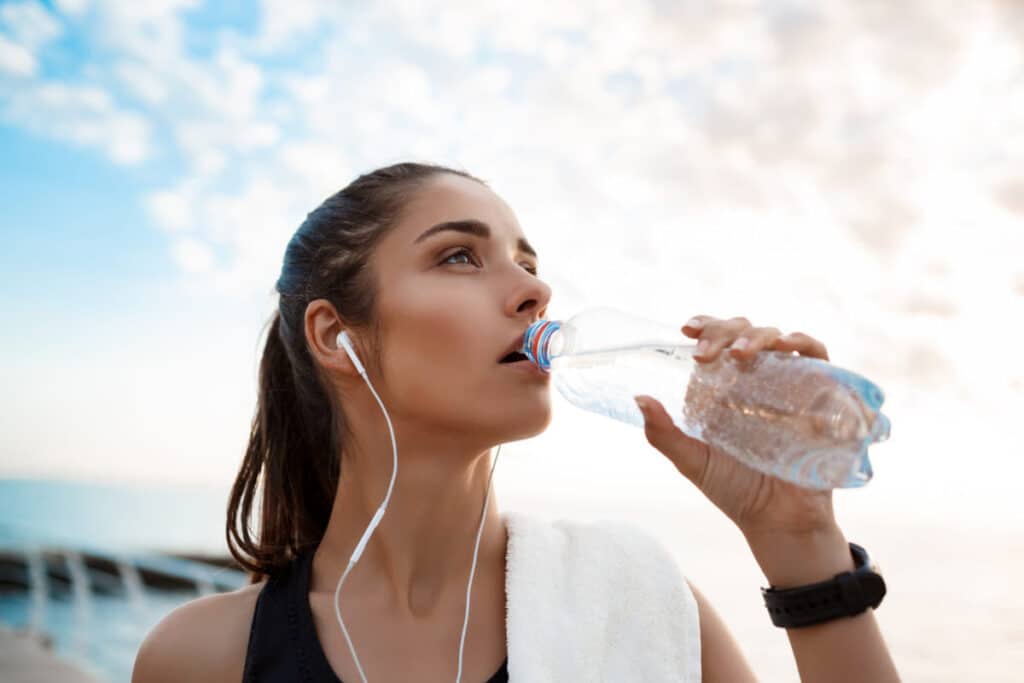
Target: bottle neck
(543,341)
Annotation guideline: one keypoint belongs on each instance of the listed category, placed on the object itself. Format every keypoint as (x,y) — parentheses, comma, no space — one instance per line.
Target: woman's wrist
(797,559)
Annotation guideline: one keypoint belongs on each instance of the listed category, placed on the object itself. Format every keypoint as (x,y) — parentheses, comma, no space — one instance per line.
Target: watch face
(869,562)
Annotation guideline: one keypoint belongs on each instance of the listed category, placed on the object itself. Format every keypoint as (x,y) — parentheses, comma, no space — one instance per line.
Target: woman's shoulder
(203,640)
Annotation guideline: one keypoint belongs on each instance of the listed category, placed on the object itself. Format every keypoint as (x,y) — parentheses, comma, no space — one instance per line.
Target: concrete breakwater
(79,614)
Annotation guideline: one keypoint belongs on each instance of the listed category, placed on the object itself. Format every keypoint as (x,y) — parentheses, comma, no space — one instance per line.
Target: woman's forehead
(454,198)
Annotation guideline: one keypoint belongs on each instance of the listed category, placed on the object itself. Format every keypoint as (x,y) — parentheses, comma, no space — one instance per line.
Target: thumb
(689,455)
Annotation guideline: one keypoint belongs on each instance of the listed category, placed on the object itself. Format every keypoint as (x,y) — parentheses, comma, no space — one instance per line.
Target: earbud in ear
(346,343)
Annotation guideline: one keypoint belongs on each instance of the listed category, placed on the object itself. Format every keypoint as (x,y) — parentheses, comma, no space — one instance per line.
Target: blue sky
(73,227)
(854,175)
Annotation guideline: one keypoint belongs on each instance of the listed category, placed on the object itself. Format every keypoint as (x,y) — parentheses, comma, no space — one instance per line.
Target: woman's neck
(419,556)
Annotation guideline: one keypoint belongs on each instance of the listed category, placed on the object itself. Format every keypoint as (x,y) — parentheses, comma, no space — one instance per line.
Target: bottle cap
(537,342)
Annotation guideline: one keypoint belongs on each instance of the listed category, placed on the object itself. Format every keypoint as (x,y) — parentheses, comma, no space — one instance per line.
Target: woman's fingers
(689,455)
(716,334)
(695,325)
(701,324)
(753,340)
(804,344)
(744,340)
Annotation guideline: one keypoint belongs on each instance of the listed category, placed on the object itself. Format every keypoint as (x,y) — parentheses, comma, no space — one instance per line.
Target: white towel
(596,602)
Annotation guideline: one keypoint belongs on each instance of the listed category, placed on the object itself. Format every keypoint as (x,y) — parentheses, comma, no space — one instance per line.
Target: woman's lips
(527,366)
(516,345)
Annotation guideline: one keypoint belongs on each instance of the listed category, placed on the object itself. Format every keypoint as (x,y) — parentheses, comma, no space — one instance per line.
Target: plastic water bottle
(800,419)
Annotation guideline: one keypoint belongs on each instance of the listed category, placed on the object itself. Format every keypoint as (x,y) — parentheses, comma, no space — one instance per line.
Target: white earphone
(346,343)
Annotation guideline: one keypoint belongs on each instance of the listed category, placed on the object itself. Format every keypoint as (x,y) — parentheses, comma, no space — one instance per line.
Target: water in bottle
(800,419)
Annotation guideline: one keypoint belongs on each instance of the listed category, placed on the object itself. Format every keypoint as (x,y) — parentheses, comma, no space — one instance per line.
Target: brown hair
(294,454)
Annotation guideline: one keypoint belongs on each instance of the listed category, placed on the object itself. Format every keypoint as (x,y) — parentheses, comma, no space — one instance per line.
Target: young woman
(432,280)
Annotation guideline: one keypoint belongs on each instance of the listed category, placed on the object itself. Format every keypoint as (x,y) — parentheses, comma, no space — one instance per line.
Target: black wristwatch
(844,595)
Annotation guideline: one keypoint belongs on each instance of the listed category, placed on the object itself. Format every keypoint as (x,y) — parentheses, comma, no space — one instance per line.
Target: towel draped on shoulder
(596,601)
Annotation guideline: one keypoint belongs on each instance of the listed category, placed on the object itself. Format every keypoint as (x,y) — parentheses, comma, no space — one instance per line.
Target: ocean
(55,539)
(129,517)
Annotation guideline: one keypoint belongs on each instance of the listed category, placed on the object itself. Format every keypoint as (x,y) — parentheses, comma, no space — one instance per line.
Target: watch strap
(844,595)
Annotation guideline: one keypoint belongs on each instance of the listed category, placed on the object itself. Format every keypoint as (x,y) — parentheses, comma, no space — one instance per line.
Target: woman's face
(451,305)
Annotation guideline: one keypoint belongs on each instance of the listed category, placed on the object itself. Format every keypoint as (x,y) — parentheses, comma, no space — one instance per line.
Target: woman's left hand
(760,505)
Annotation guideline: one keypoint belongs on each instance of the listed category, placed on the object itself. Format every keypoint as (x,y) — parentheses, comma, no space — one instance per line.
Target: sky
(850,170)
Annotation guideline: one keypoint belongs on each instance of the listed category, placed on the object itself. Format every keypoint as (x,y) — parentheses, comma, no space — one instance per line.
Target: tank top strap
(283,645)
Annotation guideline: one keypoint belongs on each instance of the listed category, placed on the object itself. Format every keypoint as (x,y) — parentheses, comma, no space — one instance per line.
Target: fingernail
(641,403)
(694,322)
(703,346)
(741,344)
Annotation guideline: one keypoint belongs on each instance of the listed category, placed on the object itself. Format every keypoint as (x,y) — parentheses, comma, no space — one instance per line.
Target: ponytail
(298,485)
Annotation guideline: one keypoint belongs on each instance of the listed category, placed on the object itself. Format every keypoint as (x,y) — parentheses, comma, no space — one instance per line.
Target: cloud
(171,209)
(285,21)
(833,163)
(146,41)
(929,303)
(142,82)
(25,28)
(15,59)
(199,138)
(148,31)
(666,114)
(321,168)
(732,114)
(193,256)
(251,227)
(73,7)
(1010,195)
(810,114)
(29,24)
(922,366)
(83,115)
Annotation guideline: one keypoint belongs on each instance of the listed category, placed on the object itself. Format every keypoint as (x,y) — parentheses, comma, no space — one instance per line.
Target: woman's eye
(460,252)
(469,254)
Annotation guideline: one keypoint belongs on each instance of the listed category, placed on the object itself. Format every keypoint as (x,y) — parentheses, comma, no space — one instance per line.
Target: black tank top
(283,645)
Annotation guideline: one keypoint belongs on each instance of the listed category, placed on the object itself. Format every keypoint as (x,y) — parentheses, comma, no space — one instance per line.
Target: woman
(429,275)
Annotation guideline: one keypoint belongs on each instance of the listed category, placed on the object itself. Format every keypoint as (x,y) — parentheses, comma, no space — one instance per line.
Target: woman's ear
(323,330)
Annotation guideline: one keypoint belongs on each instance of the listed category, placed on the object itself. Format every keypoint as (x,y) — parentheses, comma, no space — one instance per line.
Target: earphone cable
(472,569)
(369,529)
(357,553)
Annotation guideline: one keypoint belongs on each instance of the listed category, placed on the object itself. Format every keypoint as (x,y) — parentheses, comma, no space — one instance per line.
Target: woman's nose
(531,297)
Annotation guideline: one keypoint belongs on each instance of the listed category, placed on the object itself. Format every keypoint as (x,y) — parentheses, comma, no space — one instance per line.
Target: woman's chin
(529,423)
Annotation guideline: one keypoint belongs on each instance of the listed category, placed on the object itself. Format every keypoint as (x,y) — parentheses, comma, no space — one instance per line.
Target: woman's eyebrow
(471,226)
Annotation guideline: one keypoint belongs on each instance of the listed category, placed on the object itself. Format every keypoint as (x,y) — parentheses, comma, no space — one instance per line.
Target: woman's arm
(844,650)
(791,530)
(720,655)
(847,649)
